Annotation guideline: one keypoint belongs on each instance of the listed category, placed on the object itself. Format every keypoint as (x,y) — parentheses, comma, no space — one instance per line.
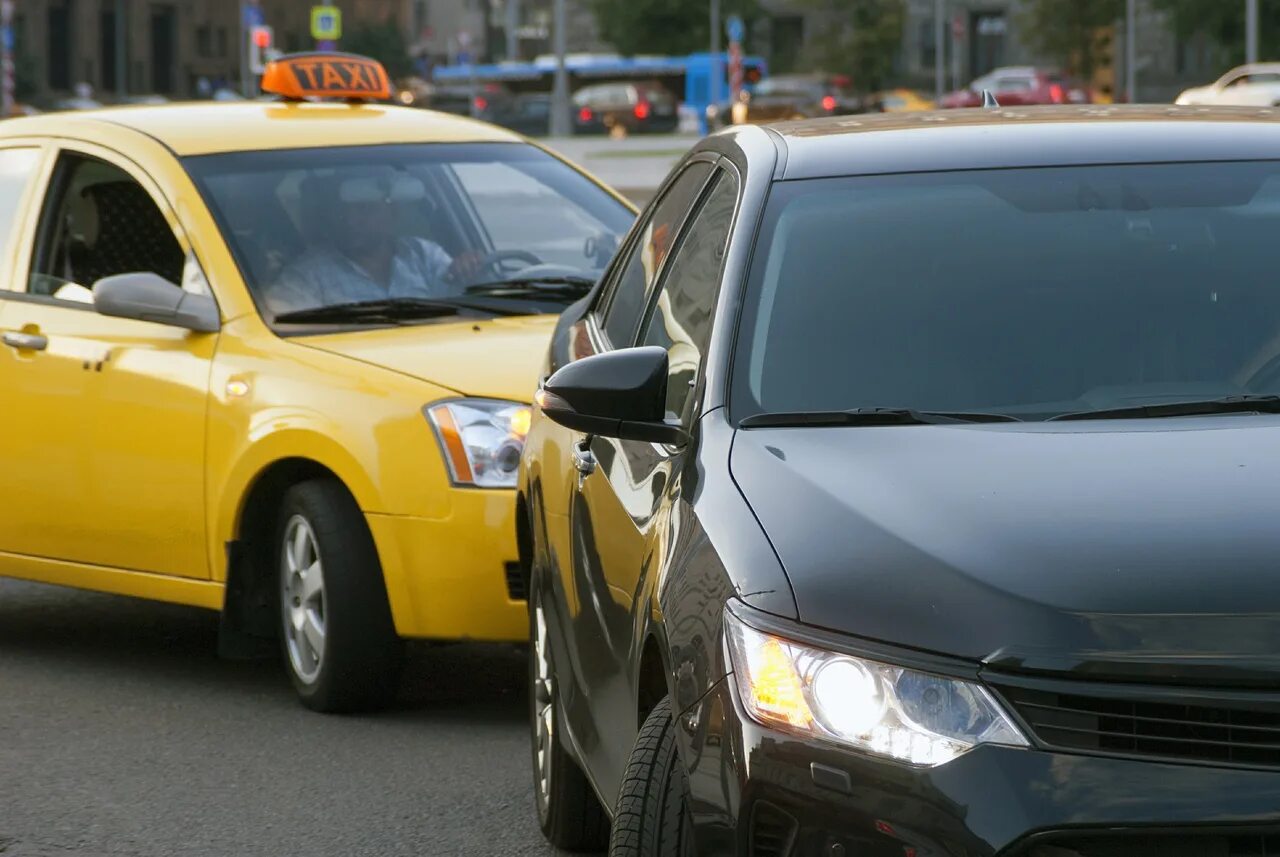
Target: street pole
(957,39)
(513,24)
(122,49)
(245,88)
(560,91)
(716,73)
(1131,52)
(939,49)
(1251,31)
(7,91)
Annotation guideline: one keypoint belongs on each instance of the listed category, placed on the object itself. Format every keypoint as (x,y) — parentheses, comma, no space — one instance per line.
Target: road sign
(326,23)
(735,29)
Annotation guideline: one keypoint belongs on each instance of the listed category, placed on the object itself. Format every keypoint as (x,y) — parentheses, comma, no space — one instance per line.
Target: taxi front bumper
(757,791)
(457,577)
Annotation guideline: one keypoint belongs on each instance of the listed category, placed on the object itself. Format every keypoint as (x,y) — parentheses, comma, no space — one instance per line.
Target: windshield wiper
(567,286)
(1247,404)
(389,310)
(872,417)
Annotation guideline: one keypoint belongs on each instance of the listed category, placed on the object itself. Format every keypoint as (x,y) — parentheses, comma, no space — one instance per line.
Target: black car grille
(1229,729)
(773,831)
(1184,844)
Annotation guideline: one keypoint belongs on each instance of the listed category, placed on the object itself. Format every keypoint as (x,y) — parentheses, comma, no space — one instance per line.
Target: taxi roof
(994,138)
(203,128)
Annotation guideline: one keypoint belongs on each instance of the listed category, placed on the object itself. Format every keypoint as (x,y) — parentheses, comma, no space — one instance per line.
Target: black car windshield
(1031,293)
(315,228)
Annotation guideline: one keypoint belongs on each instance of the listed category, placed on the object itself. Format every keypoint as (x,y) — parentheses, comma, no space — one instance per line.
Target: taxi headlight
(913,717)
(481,439)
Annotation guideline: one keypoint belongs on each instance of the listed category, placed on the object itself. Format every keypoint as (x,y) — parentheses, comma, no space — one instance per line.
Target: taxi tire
(364,657)
(652,817)
(575,821)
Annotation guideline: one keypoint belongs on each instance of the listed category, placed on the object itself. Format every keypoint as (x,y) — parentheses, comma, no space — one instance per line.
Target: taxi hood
(489,358)
(1135,549)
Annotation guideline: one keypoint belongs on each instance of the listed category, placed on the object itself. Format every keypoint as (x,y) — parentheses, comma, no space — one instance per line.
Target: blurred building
(981,35)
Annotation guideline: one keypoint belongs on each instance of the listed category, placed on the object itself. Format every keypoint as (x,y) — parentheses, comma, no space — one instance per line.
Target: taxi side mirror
(149,297)
(621,394)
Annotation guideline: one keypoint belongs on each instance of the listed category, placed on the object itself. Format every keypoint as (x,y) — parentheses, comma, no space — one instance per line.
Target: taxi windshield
(477,225)
(1027,293)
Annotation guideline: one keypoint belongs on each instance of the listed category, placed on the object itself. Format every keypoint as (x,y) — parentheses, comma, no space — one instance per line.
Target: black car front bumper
(757,792)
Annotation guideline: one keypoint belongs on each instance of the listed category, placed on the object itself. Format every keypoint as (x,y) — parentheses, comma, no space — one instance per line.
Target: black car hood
(1128,549)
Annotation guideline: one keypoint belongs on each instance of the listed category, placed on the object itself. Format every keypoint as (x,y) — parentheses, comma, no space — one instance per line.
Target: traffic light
(261,38)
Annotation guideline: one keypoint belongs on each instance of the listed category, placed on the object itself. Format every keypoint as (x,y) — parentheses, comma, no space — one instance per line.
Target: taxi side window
(17,166)
(97,221)
(634,277)
(683,312)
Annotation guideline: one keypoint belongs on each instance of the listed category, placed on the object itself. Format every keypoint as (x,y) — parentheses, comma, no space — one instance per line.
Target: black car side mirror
(621,394)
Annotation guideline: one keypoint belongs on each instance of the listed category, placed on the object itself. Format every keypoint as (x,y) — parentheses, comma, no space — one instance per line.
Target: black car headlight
(481,439)
(914,717)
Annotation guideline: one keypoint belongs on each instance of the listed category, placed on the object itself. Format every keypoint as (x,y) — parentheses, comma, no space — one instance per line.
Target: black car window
(635,276)
(685,306)
(1109,286)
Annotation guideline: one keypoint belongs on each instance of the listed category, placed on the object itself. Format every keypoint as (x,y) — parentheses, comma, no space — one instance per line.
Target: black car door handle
(584,460)
(25,341)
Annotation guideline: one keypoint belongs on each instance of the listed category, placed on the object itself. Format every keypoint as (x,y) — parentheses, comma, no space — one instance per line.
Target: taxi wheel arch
(365,673)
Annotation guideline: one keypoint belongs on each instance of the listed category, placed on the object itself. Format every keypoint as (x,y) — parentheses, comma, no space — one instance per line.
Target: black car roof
(869,144)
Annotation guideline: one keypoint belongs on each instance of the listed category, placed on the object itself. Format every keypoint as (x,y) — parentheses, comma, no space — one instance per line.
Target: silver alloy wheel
(543,706)
(303,594)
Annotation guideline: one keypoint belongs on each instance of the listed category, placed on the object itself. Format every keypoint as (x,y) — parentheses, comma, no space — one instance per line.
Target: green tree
(1070,31)
(1222,21)
(383,42)
(865,44)
(672,27)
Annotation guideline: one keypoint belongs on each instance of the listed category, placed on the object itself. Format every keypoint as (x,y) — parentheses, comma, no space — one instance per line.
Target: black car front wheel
(652,816)
(569,813)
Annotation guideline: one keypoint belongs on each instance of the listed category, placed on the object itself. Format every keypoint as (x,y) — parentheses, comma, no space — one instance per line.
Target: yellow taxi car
(274,359)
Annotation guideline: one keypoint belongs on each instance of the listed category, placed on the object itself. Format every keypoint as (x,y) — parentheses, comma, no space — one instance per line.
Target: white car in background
(1256,85)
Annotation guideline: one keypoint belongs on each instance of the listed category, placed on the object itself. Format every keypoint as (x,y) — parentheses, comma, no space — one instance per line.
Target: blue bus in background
(689,78)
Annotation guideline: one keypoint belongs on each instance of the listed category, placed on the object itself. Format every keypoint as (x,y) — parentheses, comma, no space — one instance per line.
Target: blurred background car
(1256,85)
(624,108)
(902,101)
(803,96)
(528,114)
(1020,85)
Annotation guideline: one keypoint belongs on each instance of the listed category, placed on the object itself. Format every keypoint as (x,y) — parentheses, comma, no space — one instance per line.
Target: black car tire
(363,657)
(652,817)
(570,816)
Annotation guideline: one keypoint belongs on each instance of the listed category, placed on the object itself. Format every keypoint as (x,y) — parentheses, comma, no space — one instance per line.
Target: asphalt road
(122,734)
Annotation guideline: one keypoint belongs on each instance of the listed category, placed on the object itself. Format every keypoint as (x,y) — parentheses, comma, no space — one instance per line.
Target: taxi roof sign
(327,75)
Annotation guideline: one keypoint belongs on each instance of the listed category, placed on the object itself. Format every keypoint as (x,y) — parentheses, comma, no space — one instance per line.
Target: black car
(528,114)
(910,487)
(625,108)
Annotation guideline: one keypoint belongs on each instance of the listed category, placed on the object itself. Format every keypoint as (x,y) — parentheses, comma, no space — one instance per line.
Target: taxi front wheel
(340,644)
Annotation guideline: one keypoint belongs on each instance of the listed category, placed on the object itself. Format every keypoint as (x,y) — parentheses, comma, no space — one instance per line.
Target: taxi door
(103,452)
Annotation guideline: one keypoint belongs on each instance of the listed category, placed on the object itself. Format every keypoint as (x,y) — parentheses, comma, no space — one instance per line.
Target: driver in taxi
(361,257)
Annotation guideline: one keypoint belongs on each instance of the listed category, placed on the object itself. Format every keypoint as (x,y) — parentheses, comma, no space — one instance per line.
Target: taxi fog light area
(481,439)
(913,717)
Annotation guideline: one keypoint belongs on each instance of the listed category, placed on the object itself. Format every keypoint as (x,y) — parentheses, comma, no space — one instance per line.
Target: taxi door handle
(584,460)
(25,341)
